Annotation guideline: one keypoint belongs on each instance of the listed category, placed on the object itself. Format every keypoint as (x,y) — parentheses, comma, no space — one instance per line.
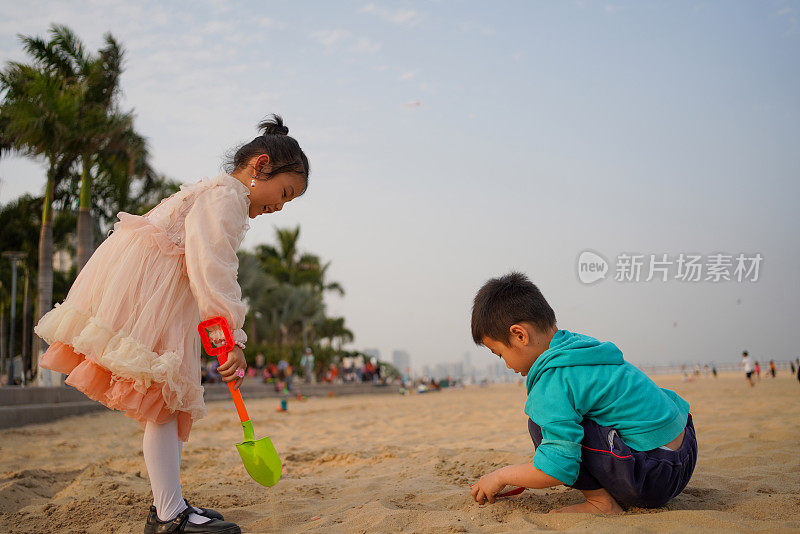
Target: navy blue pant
(647,479)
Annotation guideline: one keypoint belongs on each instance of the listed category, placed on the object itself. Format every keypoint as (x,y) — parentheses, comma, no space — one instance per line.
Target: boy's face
(526,344)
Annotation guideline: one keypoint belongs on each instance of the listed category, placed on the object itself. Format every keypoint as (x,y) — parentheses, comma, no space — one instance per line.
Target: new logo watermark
(592,267)
(683,267)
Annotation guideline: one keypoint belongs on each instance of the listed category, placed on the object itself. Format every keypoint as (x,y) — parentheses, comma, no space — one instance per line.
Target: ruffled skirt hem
(127,360)
(99,384)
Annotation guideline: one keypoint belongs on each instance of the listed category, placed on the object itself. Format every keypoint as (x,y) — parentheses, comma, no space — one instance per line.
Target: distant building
(402,362)
(440,371)
(498,372)
(456,370)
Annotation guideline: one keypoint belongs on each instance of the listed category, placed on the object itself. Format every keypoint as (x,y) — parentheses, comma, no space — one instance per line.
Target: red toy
(511,493)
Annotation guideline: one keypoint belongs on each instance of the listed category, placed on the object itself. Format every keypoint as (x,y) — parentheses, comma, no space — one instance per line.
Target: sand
(388,463)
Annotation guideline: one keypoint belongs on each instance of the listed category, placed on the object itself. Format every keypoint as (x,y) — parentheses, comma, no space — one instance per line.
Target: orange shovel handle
(237,397)
(237,400)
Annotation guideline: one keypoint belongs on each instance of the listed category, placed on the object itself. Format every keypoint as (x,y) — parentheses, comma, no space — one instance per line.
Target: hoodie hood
(568,349)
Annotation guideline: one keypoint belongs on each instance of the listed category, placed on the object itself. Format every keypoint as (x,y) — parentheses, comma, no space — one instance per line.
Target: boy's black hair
(508,300)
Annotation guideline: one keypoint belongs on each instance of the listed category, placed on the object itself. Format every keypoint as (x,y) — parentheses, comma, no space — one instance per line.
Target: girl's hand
(235,362)
(487,487)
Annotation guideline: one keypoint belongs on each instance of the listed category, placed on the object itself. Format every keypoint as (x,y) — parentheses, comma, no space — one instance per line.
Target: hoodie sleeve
(550,405)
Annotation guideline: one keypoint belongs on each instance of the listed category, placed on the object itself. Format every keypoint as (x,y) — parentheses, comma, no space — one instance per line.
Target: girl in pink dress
(126,335)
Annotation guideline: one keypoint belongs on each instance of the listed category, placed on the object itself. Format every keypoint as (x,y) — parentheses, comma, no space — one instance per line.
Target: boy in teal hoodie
(598,423)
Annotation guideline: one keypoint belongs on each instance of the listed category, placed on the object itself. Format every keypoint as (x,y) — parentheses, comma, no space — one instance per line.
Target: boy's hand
(487,487)
(235,361)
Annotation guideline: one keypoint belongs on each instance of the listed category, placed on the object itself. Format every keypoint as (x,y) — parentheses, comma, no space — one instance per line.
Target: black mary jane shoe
(181,524)
(205,512)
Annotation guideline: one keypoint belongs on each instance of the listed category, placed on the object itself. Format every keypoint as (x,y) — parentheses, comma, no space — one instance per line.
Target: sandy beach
(389,463)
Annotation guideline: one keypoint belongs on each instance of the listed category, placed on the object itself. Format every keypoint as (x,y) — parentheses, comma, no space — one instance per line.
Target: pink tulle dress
(126,335)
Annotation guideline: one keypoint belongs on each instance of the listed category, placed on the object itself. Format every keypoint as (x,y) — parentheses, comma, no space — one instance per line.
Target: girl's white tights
(162,455)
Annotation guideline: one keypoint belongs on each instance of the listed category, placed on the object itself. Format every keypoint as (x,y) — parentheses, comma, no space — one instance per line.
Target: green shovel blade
(259,457)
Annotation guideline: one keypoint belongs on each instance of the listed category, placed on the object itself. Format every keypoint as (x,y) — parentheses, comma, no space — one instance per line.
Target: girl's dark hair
(505,301)
(284,151)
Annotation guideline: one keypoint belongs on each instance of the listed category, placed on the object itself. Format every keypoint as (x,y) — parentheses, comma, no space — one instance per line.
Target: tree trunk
(252,339)
(85,230)
(2,338)
(28,362)
(45,280)
(284,337)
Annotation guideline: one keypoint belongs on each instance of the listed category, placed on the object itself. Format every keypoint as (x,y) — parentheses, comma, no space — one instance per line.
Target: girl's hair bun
(273,125)
(284,151)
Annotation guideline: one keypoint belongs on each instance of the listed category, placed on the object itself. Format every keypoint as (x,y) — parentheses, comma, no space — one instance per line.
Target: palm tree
(256,285)
(20,223)
(104,129)
(281,261)
(313,272)
(284,292)
(296,309)
(285,265)
(36,113)
(128,181)
(95,79)
(333,329)
(6,145)
(63,107)
(305,279)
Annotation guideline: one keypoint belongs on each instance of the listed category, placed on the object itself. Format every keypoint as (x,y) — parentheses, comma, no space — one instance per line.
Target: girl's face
(271,192)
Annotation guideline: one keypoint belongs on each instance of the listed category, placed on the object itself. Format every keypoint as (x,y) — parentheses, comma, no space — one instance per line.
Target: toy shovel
(258,455)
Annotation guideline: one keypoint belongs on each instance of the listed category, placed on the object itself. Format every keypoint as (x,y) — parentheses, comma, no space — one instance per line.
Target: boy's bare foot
(597,502)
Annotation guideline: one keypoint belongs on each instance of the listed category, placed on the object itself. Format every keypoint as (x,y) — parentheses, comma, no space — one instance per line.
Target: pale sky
(453,141)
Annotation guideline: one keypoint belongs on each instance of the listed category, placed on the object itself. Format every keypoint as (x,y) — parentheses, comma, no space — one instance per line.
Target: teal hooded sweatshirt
(580,377)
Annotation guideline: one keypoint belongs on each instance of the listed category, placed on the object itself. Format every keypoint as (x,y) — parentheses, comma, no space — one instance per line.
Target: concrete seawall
(21,406)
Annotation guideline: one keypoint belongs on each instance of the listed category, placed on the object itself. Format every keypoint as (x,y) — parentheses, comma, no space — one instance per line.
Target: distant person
(332,373)
(260,362)
(714,369)
(290,379)
(598,423)
(749,368)
(370,370)
(347,369)
(381,372)
(307,363)
(772,368)
(757,369)
(358,365)
(283,373)
(272,370)
(211,370)
(791,364)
